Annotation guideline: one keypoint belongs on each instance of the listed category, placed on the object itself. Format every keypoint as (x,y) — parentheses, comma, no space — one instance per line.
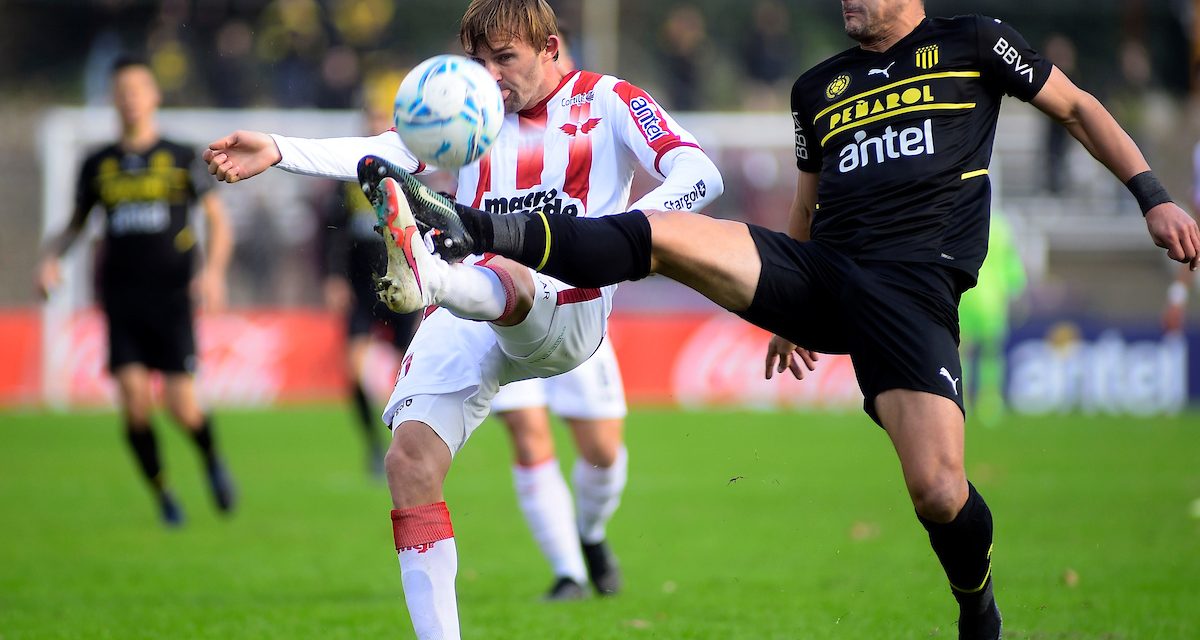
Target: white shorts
(454,367)
(591,391)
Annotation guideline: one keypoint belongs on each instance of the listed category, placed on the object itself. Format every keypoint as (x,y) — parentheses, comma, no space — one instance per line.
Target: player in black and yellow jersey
(354,256)
(146,185)
(893,140)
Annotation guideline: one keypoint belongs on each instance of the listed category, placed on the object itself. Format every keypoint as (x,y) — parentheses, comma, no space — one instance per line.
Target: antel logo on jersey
(548,201)
(890,145)
(647,118)
(882,105)
(581,99)
(583,128)
(837,86)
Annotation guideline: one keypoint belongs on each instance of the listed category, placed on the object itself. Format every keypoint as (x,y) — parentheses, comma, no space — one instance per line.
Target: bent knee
(939,498)
(518,284)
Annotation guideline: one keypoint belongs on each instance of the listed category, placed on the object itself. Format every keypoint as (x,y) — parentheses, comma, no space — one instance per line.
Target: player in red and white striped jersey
(569,146)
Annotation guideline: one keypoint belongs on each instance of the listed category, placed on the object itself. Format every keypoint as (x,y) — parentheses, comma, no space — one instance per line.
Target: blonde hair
(488,22)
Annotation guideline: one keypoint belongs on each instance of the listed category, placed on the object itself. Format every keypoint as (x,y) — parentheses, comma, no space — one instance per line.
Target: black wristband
(1148,191)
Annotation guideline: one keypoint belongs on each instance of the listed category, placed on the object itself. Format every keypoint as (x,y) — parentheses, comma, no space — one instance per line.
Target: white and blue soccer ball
(448,111)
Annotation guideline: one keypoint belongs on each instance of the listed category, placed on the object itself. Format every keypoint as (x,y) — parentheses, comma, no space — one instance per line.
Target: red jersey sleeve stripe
(648,117)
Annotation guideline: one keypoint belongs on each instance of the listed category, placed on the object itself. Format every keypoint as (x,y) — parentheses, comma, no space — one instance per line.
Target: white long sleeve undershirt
(338,157)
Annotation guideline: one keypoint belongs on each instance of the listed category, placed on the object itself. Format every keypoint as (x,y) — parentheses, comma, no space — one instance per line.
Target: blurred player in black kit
(889,226)
(146,185)
(354,255)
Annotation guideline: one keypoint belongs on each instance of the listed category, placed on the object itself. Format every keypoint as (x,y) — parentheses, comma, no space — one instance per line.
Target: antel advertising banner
(259,358)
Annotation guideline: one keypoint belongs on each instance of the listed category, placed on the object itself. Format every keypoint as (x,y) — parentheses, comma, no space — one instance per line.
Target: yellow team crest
(837,86)
(927,56)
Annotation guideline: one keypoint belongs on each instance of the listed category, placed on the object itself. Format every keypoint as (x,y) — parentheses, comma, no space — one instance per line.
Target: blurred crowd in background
(698,54)
(1138,56)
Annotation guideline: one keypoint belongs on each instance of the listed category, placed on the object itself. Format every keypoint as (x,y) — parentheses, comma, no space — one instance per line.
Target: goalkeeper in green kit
(983,317)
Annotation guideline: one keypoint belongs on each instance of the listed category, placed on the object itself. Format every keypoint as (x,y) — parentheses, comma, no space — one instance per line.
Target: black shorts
(367,313)
(152,328)
(898,321)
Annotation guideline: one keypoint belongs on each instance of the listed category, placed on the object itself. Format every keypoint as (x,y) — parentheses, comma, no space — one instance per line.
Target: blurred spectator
(1127,95)
(232,75)
(339,80)
(361,23)
(353,253)
(768,54)
(684,38)
(291,42)
(1061,51)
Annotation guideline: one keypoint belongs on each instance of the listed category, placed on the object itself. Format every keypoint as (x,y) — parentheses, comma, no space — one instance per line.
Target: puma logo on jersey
(885,72)
(1012,57)
(890,145)
(953,381)
(571,128)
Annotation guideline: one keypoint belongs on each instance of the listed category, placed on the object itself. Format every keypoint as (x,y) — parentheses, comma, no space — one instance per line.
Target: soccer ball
(448,111)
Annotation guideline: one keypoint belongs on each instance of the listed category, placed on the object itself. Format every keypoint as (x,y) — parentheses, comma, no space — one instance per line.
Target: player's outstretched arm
(1089,122)
(241,155)
(245,154)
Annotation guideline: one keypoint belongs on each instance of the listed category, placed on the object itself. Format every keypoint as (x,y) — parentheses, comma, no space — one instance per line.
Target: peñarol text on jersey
(902,139)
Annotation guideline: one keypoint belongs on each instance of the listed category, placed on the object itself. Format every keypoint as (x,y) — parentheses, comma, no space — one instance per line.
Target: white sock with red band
(597,493)
(428,564)
(546,502)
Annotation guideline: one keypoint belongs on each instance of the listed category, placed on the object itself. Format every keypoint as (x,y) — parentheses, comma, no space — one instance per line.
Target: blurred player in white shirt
(591,399)
(569,146)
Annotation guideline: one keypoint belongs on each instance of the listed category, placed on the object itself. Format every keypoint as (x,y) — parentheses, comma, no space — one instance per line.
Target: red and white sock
(597,493)
(428,565)
(546,502)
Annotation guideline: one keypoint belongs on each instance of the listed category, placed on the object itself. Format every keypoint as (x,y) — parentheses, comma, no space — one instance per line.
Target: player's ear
(552,46)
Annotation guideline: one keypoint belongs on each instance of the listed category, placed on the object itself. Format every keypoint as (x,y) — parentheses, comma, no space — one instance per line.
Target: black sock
(145,449)
(362,406)
(584,252)
(964,547)
(203,437)
(366,419)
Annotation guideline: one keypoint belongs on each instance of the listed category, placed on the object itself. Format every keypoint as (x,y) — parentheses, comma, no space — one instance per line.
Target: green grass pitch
(734,525)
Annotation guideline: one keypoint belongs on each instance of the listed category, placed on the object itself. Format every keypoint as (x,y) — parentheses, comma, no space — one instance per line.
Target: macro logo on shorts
(927,56)
(837,86)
